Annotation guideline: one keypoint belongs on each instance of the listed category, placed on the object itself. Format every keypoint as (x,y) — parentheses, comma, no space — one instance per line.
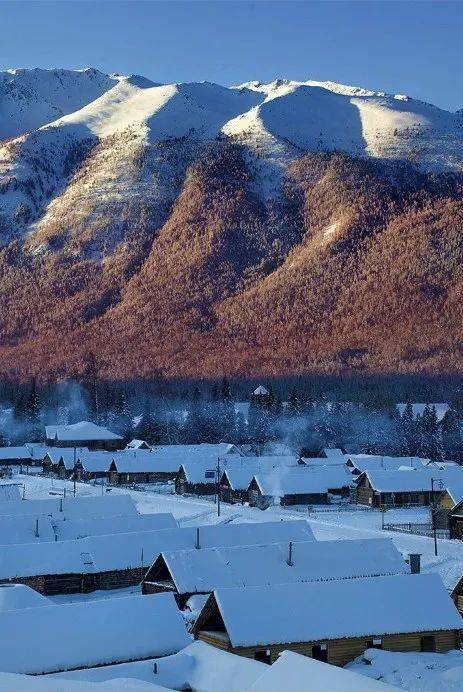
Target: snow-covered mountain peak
(32,98)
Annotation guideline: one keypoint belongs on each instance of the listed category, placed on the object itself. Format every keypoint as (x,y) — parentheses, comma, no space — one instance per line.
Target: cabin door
(320,652)
(263,656)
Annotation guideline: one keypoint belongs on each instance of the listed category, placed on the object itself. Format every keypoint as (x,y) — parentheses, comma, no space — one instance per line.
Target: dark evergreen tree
(451,432)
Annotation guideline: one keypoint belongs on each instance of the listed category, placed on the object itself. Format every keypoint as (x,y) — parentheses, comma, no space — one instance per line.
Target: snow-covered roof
(72,507)
(323,462)
(10,492)
(169,458)
(84,430)
(203,667)
(89,634)
(96,554)
(260,391)
(38,450)
(415,481)
(30,529)
(17,596)
(200,571)
(367,462)
(12,682)
(300,480)
(96,461)
(138,444)
(333,452)
(335,610)
(299,673)
(195,470)
(55,454)
(455,490)
(14,453)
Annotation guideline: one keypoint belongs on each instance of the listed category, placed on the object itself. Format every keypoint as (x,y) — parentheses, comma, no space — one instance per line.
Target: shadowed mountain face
(194,230)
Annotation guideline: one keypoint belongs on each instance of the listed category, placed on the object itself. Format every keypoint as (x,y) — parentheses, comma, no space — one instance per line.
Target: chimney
(36,528)
(414,560)
(197,545)
(290,555)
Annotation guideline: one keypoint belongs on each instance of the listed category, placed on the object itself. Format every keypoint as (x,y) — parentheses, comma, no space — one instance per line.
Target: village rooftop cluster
(92,590)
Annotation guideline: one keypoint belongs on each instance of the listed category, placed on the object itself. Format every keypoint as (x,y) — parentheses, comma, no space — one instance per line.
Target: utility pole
(74,474)
(218,486)
(433,514)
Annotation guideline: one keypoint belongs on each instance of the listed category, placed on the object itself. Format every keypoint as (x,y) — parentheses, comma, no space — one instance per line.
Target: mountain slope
(198,230)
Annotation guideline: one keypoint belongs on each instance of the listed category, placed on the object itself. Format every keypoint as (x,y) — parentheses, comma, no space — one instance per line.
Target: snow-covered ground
(423,672)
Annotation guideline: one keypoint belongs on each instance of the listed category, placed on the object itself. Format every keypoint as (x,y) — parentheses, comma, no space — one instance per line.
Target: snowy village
(131,554)
(231,346)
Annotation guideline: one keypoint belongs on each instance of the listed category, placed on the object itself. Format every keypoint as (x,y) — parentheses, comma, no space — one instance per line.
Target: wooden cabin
(396,489)
(234,484)
(196,478)
(112,561)
(192,572)
(238,474)
(136,466)
(297,486)
(326,620)
(16,456)
(82,434)
(455,520)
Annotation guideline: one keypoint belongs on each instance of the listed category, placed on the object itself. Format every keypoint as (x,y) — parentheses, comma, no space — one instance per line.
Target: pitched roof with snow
(14,453)
(301,481)
(260,391)
(169,458)
(72,507)
(138,444)
(96,554)
(299,673)
(412,481)
(203,667)
(30,529)
(333,610)
(367,462)
(201,571)
(17,596)
(83,634)
(84,430)
(239,467)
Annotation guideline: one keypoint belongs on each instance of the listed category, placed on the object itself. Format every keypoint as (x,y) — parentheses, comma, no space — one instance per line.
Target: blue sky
(407,47)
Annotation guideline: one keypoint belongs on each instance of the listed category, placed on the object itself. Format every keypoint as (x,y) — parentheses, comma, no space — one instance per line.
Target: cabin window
(428,643)
(263,656)
(320,652)
(375,644)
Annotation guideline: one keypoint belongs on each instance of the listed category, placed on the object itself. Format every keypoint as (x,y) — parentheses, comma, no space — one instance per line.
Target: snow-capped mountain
(118,194)
(32,98)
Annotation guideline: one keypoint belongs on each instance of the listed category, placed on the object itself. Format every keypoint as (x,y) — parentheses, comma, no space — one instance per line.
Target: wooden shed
(326,620)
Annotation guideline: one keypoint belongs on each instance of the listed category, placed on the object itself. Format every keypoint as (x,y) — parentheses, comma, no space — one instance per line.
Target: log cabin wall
(340,651)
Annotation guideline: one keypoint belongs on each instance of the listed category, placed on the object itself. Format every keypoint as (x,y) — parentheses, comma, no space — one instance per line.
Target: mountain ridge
(287,227)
